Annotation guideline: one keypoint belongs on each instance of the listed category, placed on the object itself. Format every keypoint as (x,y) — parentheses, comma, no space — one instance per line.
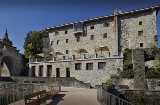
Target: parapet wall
(61,81)
(151,84)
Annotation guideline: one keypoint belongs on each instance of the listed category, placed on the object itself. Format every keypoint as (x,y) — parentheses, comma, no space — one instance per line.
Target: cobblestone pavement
(75,96)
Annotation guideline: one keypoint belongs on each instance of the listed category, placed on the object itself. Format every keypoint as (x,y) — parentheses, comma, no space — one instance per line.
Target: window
(67,52)
(57,42)
(106,25)
(65,32)
(92,27)
(78,66)
(89,66)
(52,43)
(140,33)
(78,39)
(101,65)
(105,35)
(92,37)
(141,44)
(56,33)
(66,40)
(140,23)
(155,38)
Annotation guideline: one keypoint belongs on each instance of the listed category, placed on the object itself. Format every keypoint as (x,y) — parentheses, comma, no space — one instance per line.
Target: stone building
(91,50)
(11,59)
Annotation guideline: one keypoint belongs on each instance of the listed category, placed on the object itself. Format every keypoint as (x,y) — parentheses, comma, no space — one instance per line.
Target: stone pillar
(44,69)
(139,69)
(73,57)
(30,72)
(84,56)
(37,70)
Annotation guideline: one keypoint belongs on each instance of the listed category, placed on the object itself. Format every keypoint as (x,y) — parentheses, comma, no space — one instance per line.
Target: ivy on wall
(127,64)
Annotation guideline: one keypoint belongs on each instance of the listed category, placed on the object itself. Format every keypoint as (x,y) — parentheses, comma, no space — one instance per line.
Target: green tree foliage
(153,50)
(156,62)
(24,70)
(127,74)
(127,64)
(127,59)
(33,42)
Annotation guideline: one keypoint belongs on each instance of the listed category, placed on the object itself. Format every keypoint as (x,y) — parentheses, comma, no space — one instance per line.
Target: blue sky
(21,16)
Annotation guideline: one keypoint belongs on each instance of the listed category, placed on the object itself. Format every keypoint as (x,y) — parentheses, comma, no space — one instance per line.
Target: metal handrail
(106,98)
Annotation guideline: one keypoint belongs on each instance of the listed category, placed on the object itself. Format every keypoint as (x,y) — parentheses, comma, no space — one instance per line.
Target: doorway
(57,72)
(67,72)
(49,70)
(33,71)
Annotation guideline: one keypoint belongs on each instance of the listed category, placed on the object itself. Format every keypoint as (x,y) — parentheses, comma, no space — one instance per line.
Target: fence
(106,98)
(13,92)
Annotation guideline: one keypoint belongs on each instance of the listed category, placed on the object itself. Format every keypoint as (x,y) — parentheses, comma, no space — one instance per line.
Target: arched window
(57,42)
(52,42)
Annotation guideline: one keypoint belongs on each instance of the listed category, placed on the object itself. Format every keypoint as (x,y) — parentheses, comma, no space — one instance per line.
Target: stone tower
(6,40)
(10,58)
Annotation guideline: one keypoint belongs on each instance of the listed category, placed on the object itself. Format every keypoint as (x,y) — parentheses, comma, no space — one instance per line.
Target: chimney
(115,10)
(120,10)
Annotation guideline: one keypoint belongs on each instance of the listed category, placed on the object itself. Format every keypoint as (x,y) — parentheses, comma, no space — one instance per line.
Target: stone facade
(11,59)
(88,76)
(130,25)
(133,29)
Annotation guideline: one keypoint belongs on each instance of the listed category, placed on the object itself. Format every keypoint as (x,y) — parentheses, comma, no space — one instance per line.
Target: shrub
(152,74)
(127,73)
(127,65)
(109,82)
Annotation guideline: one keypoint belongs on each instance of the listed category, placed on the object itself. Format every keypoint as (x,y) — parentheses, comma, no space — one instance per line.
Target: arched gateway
(10,58)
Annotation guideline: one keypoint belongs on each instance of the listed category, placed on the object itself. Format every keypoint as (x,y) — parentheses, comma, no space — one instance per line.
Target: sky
(22,16)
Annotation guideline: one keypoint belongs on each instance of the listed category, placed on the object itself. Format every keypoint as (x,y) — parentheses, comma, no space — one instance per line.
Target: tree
(152,52)
(156,62)
(33,42)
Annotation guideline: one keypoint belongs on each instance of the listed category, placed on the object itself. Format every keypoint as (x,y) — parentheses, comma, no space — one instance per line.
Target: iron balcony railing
(70,58)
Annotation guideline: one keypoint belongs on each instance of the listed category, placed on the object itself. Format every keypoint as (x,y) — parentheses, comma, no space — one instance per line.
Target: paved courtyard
(72,96)
(75,96)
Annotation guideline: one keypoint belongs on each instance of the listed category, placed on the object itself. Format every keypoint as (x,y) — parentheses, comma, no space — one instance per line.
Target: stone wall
(151,84)
(51,81)
(25,88)
(129,27)
(85,38)
(139,69)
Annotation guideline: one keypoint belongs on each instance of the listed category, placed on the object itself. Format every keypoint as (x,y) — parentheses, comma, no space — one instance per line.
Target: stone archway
(6,66)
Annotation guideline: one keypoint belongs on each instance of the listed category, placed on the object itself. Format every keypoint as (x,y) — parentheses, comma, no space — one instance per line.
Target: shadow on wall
(56,99)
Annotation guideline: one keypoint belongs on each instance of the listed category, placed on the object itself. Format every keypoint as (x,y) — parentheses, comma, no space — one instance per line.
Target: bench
(40,97)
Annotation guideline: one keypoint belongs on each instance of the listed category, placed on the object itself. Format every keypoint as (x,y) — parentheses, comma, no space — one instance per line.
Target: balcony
(77,28)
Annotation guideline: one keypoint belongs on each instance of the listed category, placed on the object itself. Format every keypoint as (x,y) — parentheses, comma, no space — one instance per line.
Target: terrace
(73,57)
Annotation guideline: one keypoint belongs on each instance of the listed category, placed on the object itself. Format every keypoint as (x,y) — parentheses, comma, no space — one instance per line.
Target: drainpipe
(0,70)
(115,31)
